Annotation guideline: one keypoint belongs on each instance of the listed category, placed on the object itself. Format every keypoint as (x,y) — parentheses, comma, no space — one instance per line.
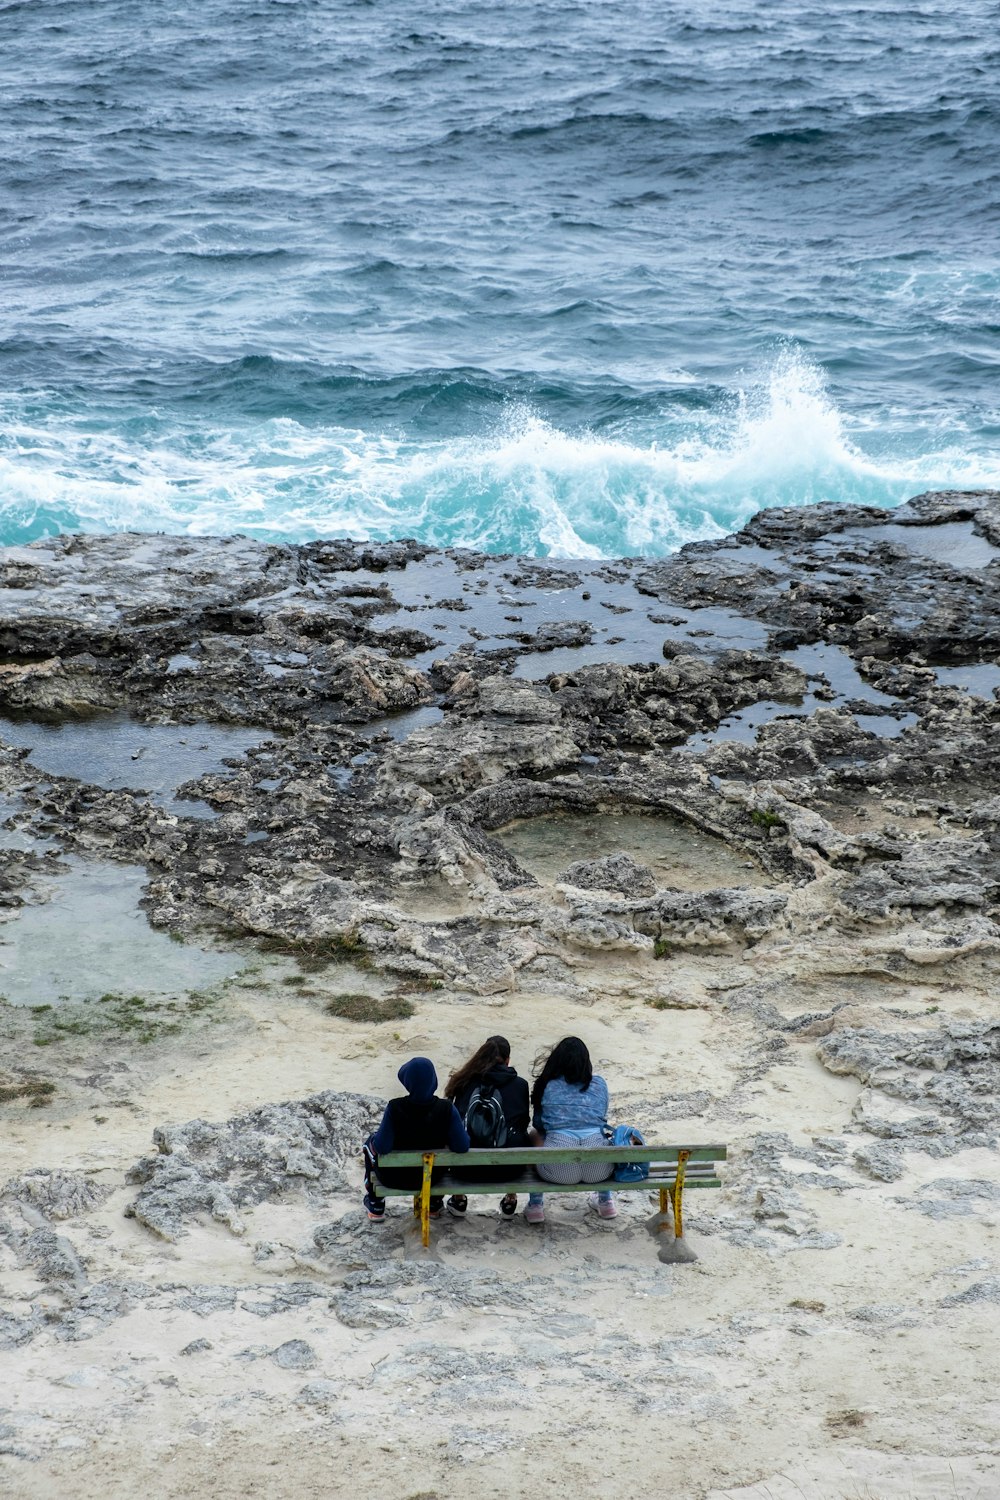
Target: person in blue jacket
(419,1121)
(569,1104)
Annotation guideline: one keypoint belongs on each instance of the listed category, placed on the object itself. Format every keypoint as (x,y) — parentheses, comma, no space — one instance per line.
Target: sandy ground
(817,1357)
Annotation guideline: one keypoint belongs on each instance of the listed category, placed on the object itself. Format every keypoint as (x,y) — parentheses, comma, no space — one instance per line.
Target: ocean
(549,276)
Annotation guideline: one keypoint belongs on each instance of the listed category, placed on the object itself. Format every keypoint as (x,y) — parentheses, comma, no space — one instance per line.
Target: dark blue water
(548,275)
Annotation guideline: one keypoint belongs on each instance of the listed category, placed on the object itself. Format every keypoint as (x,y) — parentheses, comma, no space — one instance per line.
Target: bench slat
(530,1185)
(667,1172)
(531,1156)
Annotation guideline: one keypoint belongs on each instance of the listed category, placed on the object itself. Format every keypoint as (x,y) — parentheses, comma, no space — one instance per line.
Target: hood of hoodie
(418,1078)
(501,1075)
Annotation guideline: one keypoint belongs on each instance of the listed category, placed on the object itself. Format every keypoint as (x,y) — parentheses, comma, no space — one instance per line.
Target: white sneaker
(606,1207)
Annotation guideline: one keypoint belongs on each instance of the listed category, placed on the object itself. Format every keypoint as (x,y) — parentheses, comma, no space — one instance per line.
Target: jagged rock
(31,1244)
(883,1163)
(296,1354)
(979,1291)
(510,698)
(221,1169)
(282,1299)
(450,761)
(351,804)
(950,1077)
(964,1189)
(56,1194)
(53,1257)
(706,918)
(616,872)
(16,1331)
(448,845)
(557,633)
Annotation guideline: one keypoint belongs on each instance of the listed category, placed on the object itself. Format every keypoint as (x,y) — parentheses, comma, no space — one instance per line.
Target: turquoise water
(549,277)
(89,937)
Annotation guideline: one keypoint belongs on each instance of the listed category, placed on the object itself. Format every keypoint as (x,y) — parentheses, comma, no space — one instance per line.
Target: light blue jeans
(571,1171)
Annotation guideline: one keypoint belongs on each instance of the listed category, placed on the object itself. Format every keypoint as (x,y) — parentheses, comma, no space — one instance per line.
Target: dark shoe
(457,1205)
(508,1205)
(376,1208)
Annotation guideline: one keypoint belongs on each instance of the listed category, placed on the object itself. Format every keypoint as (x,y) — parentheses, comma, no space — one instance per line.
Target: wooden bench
(671,1170)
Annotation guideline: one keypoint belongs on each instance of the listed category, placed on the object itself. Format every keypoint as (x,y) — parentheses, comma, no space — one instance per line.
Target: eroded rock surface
(810,671)
(813,699)
(221,1169)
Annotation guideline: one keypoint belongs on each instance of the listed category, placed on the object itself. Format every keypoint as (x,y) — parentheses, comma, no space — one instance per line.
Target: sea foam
(521,485)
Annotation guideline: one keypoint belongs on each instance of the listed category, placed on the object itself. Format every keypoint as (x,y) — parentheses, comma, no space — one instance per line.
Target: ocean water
(549,276)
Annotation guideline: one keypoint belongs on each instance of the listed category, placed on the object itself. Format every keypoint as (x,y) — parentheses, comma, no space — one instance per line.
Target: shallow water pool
(680,856)
(91,938)
(115,752)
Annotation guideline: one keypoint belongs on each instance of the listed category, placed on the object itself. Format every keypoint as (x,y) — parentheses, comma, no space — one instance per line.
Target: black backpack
(484,1118)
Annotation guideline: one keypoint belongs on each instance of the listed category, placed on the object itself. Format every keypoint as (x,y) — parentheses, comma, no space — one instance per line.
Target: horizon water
(550,278)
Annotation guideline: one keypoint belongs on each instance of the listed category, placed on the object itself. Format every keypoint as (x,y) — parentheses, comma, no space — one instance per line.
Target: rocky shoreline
(734,815)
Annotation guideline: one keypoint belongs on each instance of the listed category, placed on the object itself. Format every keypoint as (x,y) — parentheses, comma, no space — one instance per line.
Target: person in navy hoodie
(420,1121)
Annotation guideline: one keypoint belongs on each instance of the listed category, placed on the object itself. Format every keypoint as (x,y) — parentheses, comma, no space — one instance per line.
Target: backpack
(484,1118)
(629,1171)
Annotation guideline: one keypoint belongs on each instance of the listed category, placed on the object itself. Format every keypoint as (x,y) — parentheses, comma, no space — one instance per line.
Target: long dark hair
(568,1059)
(494,1051)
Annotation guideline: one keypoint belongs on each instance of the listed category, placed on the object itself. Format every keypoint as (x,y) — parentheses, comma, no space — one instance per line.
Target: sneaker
(376,1209)
(456,1205)
(606,1207)
(508,1205)
(535,1213)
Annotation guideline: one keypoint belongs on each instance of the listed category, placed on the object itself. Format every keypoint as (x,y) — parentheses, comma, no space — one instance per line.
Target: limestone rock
(616,872)
(949,1078)
(221,1169)
(389,766)
(56,1194)
(295,1354)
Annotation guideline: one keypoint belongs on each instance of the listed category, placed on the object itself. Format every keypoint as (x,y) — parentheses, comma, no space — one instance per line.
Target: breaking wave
(520,485)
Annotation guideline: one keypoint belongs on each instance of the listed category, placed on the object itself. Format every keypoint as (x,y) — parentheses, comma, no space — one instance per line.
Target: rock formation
(733,814)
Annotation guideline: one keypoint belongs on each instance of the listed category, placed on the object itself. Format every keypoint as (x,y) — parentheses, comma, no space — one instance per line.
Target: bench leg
(682,1157)
(425,1200)
(677,1251)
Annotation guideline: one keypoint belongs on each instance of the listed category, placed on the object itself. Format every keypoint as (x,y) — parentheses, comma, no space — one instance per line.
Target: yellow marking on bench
(682,1157)
(425,1200)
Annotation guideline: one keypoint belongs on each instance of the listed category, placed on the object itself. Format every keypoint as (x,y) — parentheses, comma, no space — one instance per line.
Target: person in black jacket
(419,1122)
(489,1068)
